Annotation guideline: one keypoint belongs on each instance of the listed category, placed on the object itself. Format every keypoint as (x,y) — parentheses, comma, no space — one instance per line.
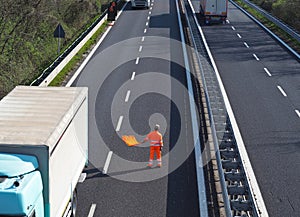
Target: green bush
(293,43)
(27,45)
(286,10)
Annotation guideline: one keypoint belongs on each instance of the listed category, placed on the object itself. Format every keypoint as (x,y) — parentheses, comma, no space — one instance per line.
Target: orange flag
(130,140)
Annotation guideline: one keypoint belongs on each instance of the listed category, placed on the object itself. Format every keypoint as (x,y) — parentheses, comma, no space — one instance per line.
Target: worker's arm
(145,140)
(161,142)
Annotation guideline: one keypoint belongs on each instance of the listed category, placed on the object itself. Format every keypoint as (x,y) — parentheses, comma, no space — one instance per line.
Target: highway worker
(156,144)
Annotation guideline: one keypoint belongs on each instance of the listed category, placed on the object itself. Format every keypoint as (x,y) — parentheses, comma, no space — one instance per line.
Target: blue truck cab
(21,187)
(43,150)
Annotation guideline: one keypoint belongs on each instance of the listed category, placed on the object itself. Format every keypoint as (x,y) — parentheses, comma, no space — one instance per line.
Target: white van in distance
(140,4)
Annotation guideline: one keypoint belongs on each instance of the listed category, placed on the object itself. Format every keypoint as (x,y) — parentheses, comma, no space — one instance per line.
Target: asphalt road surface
(262,82)
(136,79)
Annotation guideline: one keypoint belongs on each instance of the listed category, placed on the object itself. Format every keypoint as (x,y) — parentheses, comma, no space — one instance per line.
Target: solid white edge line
(254,55)
(137,60)
(127,96)
(81,67)
(268,72)
(68,210)
(107,162)
(297,112)
(140,49)
(199,162)
(92,210)
(239,35)
(247,46)
(132,76)
(282,91)
(90,55)
(119,123)
(254,188)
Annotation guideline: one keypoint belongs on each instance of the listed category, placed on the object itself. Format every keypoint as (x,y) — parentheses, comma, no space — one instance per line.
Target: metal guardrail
(238,195)
(61,57)
(67,52)
(205,66)
(292,32)
(295,53)
(202,198)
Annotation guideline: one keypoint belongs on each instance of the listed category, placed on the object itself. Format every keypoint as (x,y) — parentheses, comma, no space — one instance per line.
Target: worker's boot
(159,163)
(150,164)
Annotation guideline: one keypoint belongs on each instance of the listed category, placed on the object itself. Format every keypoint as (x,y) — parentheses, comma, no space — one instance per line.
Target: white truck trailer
(214,10)
(43,150)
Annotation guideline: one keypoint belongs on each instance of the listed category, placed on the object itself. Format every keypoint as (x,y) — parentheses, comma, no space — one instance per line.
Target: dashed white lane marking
(141,48)
(148,18)
(239,35)
(143,38)
(150,12)
(127,96)
(246,45)
(147,23)
(298,113)
(107,162)
(254,55)
(227,21)
(233,28)
(119,123)
(92,210)
(268,72)
(137,60)
(150,8)
(152,4)
(145,30)
(282,91)
(133,76)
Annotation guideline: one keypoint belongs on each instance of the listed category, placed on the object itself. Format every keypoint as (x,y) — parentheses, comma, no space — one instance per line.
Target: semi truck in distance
(43,150)
(214,11)
(140,4)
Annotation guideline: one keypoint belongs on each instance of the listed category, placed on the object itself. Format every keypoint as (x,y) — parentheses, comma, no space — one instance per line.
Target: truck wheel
(74,204)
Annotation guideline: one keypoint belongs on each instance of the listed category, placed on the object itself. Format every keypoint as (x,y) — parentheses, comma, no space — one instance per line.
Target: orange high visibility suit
(156,142)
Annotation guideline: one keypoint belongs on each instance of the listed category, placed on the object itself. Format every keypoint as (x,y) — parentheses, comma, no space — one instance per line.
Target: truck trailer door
(221,7)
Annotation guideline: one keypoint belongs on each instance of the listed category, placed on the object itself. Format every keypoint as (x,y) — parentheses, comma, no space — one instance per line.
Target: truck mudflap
(214,19)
